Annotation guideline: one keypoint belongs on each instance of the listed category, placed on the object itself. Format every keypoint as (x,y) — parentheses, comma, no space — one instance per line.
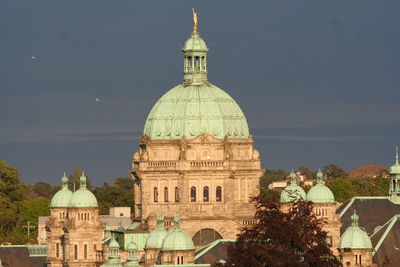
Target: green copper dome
(83,197)
(63,197)
(132,246)
(355,237)
(395,169)
(113,244)
(195,44)
(320,193)
(195,106)
(177,239)
(292,192)
(156,237)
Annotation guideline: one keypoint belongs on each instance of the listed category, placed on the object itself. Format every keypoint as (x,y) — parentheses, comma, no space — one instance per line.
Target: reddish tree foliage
(281,239)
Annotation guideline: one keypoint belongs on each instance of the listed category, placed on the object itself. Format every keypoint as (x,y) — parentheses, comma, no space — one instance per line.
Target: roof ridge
(383,237)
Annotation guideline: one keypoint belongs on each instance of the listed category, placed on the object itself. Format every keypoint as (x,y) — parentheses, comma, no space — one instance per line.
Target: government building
(195,170)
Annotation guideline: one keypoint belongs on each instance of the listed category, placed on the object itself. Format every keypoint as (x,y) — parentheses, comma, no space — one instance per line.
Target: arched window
(176,194)
(165,194)
(155,194)
(218,194)
(193,194)
(206,195)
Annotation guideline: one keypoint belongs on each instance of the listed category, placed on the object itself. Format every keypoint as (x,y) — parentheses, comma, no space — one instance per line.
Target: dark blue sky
(317,80)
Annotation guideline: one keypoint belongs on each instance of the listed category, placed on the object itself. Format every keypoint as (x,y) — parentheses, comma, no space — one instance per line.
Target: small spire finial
(64,180)
(397,155)
(177,221)
(292,177)
(354,219)
(82,181)
(195,20)
(320,176)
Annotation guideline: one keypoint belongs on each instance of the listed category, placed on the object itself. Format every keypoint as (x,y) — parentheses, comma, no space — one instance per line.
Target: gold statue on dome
(195,20)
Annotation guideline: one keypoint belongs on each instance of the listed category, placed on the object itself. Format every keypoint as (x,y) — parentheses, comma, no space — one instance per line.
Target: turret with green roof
(355,237)
(292,192)
(320,193)
(132,258)
(63,197)
(113,256)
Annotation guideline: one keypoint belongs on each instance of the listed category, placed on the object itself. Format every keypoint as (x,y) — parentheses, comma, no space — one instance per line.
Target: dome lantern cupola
(292,192)
(113,256)
(394,171)
(63,196)
(132,258)
(195,56)
(320,193)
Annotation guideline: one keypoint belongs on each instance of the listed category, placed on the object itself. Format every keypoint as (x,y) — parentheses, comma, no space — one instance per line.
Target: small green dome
(320,193)
(63,197)
(177,239)
(132,246)
(83,197)
(113,244)
(156,237)
(292,192)
(195,43)
(120,228)
(354,237)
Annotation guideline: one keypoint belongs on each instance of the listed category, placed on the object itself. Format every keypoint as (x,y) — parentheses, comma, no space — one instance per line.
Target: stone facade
(207,181)
(74,235)
(356,257)
(332,224)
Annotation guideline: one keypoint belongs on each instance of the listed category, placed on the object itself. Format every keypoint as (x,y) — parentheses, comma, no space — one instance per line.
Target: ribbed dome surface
(195,43)
(355,237)
(156,238)
(132,246)
(177,240)
(320,193)
(292,193)
(188,111)
(83,198)
(113,244)
(62,198)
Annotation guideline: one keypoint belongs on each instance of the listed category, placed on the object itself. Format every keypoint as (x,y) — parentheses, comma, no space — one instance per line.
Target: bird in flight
(34,58)
(97,100)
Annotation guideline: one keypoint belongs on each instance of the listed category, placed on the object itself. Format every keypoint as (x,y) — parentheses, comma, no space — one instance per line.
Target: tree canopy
(281,239)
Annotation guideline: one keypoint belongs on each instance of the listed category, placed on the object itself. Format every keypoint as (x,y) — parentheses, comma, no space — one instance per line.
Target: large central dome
(188,111)
(196,106)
